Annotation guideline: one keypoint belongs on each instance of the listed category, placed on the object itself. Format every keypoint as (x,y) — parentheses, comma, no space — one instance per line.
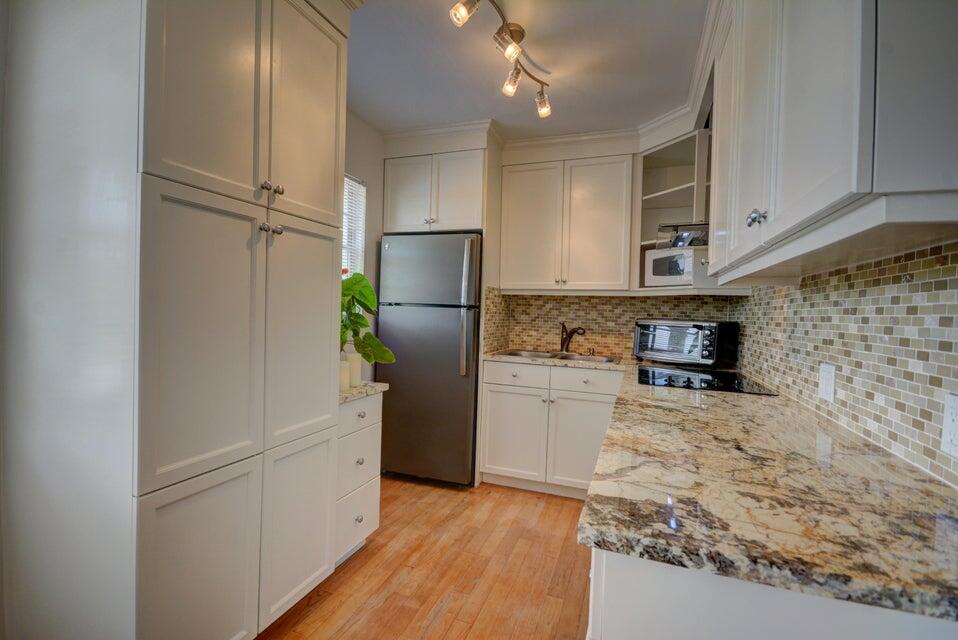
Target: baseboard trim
(532,485)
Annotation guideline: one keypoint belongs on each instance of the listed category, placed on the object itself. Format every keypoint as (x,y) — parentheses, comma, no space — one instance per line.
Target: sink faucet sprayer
(566,340)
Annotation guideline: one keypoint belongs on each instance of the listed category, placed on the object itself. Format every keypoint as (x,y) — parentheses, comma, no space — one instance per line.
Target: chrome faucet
(565,342)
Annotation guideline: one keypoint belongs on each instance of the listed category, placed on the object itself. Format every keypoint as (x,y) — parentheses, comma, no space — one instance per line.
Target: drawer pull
(361,414)
(585,381)
(360,461)
(359,519)
(515,374)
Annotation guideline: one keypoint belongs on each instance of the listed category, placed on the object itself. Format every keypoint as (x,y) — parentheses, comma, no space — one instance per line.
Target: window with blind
(354,224)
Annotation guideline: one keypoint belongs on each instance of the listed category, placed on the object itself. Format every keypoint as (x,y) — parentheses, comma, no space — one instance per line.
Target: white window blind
(354,224)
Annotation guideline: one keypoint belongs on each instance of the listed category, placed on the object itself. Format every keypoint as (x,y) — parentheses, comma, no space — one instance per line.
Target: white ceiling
(612,64)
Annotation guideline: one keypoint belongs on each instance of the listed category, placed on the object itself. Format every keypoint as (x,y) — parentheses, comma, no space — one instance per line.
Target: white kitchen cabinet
(298,514)
(302,328)
(357,517)
(198,548)
(597,219)
(825,111)
(202,323)
(531,226)
(458,184)
(200,94)
(285,94)
(515,423)
(307,113)
(751,192)
(436,192)
(407,194)
(577,425)
(357,477)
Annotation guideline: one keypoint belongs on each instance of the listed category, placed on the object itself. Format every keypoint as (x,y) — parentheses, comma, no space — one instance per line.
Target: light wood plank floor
(487,562)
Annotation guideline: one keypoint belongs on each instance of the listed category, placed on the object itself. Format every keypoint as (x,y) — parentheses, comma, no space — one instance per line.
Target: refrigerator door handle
(462,341)
(466,270)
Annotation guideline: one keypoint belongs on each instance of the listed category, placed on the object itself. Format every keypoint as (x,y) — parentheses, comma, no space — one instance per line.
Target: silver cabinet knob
(515,374)
(358,519)
(564,280)
(279,229)
(360,461)
(704,262)
(431,220)
(557,281)
(265,227)
(755,216)
(279,190)
(544,399)
(552,400)
(425,220)
(585,381)
(361,415)
(265,185)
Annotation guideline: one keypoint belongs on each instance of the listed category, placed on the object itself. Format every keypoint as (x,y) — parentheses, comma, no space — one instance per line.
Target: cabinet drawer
(358,459)
(359,414)
(357,516)
(588,380)
(522,375)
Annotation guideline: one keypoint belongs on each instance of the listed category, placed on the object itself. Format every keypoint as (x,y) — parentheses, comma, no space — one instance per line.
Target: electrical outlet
(949,426)
(826,381)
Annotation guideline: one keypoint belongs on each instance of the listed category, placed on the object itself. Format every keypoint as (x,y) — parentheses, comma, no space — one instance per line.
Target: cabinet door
(307,113)
(531,226)
(198,556)
(724,107)
(407,194)
(302,328)
(825,111)
(758,24)
(202,315)
(577,426)
(597,217)
(514,428)
(458,181)
(205,121)
(298,514)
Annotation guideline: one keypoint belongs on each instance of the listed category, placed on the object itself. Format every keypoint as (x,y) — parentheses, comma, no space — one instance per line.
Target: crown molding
(591,136)
(475,134)
(459,127)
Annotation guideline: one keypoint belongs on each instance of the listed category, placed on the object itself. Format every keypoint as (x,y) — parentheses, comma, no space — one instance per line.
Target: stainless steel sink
(580,358)
(528,354)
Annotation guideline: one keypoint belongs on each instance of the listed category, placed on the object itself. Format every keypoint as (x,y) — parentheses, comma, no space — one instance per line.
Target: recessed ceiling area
(612,64)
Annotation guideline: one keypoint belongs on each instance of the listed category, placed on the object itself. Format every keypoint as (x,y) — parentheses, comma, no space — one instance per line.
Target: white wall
(68,198)
(365,153)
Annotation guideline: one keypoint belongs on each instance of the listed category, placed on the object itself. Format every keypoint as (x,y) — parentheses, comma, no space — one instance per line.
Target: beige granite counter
(556,362)
(363,390)
(762,489)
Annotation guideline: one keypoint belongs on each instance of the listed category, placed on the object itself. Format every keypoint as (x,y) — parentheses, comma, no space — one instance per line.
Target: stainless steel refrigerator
(429,293)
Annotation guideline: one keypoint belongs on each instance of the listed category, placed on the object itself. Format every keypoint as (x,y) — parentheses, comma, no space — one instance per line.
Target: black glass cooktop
(706,379)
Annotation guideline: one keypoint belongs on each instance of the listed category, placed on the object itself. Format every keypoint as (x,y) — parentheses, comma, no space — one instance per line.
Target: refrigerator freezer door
(429,412)
(430,269)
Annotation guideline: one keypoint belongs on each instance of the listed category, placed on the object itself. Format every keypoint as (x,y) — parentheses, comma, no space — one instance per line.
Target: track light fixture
(508,38)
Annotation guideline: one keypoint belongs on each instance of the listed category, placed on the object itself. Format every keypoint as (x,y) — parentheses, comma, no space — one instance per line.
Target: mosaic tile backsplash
(890,327)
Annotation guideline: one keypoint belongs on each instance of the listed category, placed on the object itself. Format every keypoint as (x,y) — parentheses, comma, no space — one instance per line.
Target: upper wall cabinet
(273,70)
(438,192)
(567,224)
(822,108)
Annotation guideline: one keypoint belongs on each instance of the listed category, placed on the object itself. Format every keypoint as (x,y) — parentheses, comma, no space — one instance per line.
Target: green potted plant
(359,298)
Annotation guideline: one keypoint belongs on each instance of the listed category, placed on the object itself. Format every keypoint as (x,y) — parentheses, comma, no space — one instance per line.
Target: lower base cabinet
(198,555)
(539,429)
(357,478)
(297,544)
(357,516)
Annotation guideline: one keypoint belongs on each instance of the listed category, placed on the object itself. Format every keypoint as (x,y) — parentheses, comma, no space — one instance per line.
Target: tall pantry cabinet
(192,441)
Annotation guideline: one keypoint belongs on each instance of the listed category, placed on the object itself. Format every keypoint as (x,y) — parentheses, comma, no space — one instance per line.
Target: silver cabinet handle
(557,281)
(279,229)
(265,185)
(756,216)
(426,220)
(564,281)
(544,399)
(552,400)
(265,227)
(432,220)
(359,519)
(360,461)
(361,415)
(515,374)
(704,262)
(279,190)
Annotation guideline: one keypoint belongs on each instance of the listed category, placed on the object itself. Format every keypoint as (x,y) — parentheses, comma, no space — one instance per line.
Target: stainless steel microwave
(712,344)
(678,266)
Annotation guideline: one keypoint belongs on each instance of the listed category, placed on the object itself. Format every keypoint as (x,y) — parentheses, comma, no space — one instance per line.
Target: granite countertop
(555,362)
(363,390)
(762,489)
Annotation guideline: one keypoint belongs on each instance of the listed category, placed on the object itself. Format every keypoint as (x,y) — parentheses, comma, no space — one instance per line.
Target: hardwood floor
(487,562)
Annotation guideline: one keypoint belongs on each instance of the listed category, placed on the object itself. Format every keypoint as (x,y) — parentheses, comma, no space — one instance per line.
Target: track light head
(507,39)
(543,106)
(512,82)
(462,11)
